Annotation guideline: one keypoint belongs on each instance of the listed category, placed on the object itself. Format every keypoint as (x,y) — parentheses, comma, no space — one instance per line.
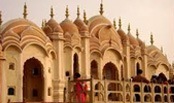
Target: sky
(148,16)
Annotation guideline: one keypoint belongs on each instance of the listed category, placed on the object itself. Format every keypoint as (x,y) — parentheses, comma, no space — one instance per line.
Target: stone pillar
(55,90)
(144,66)
(59,70)
(127,69)
(45,92)
(85,55)
(58,90)
(2,59)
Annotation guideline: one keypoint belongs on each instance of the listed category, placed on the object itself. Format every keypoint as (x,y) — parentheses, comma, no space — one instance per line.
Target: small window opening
(49,91)
(11,91)
(11,66)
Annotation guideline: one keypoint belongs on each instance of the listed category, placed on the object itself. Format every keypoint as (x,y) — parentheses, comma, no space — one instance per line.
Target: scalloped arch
(35,43)
(115,51)
(12,44)
(97,52)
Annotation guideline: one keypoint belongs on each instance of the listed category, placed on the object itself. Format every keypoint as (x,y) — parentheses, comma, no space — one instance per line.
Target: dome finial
(119,23)
(137,33)
(128,28)
(84,17)
(25,11)
(51,12)
(67,12)
(114,23)
(161,49)
(0,18)
(151,39)
(43,23)
(78,12)
(101,8)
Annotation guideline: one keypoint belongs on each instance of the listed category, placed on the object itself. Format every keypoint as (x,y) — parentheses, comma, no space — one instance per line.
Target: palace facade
(35,62)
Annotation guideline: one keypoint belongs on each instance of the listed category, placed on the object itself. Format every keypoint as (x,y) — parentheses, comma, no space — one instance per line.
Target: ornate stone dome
(52,26)
(141,43)
(102,29)
(20,22)
(71,33)
(96,20)
(80,25)
(69,26)
(133,40)
(156,54)
(17,30)
(123,35)
(152,48)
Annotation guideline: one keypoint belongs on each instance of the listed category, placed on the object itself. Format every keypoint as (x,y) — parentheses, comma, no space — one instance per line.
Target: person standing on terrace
(80,89)
(139,77)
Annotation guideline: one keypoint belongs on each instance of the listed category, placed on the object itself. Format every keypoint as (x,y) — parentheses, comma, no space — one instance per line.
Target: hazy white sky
(156,16)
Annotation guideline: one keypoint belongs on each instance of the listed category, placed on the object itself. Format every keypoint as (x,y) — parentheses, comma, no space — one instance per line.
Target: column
(2,59)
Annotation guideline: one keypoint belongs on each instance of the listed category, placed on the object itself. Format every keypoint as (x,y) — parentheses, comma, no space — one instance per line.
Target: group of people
(81,87)
(161,78)
(139,77)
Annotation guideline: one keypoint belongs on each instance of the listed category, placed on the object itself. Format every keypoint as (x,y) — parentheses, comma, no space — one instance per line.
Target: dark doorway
(75,64)
(33,82)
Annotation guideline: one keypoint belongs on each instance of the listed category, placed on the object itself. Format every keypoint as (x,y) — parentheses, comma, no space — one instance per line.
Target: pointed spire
(78,12)
(161,49)
(101,8)
(128,28)
(51,12)
(67,12)
(119,23)
(151,39)
(114,23)
(43,23)
(84,17)
(25,11)
(0,18)
(137,33)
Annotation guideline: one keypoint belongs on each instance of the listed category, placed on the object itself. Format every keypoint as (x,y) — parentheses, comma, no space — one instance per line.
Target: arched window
(75,63)
(49,91)
(94,69)
(11,66)
(11,91)
(137,67)
(110,72)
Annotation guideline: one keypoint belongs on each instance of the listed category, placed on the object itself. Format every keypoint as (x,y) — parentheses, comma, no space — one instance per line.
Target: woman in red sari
(80,88)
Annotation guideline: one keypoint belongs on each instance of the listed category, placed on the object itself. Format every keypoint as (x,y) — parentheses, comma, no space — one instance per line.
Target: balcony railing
(112,91)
